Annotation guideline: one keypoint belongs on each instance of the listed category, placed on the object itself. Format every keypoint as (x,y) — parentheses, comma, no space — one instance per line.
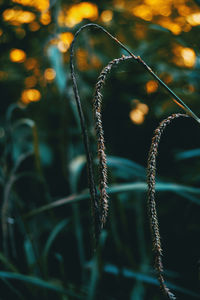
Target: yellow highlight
(136,116)
(30,95)
(18,16)
(65,41)
(189,57)
(17,55)
(138,113)
(45,18)
(40,5)
(194,19)
(175,28)
(49,74)
(143,11)
(34,26)
(106,16)
(151,86)
(184,56)
(77,12)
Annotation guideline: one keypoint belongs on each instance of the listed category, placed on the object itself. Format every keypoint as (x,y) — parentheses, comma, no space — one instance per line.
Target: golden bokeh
(151,86)
(177,16)
(64,41)
(106,16)
(49,74)
(189,57)
(137,114)
(143,11)
(184,56)
(18,16)
(76,13)
(30,95)
(194,19)
(34,26)
(45,18)
(41,5)
(17,55)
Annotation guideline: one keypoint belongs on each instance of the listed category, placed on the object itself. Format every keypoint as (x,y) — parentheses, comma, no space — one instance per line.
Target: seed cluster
(151,181)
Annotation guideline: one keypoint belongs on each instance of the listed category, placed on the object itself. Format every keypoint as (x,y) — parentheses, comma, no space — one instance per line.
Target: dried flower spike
(151,175)
(97,103)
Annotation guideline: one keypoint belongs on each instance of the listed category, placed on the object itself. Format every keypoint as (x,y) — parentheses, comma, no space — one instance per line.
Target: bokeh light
(76,13)
(49,74)
(18,16)
(189,57)
(30,95)
(64,41)
(41,5)
(17,55)
(106,16)
(137,114)
(184,56)
(151,86)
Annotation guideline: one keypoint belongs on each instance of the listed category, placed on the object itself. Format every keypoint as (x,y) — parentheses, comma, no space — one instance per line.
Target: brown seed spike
(97,103)
(151,180)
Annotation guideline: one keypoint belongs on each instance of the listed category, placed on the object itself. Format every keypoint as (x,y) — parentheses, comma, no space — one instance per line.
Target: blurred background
(46,232)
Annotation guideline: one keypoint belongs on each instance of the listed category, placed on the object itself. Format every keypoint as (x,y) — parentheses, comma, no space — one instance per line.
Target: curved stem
(97,103)
(151,181)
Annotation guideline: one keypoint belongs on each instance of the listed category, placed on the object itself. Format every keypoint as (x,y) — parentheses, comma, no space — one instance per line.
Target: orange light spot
(30,81)
(49,74)
(17,55)
(143,108)
(143,11)
(184,56)
(45,18)
(77,12)
(138,113)
(65,41)
(189,57)
(30,95)
(194,19)
(151,86)
(1,32)
(34,26)
(18,16)
(62,46)
(41,5)
(136,116)
(175,28)
(106,16)
(183,10)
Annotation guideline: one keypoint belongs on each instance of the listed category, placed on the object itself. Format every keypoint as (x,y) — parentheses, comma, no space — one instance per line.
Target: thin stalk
(97,105)
(151,181)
